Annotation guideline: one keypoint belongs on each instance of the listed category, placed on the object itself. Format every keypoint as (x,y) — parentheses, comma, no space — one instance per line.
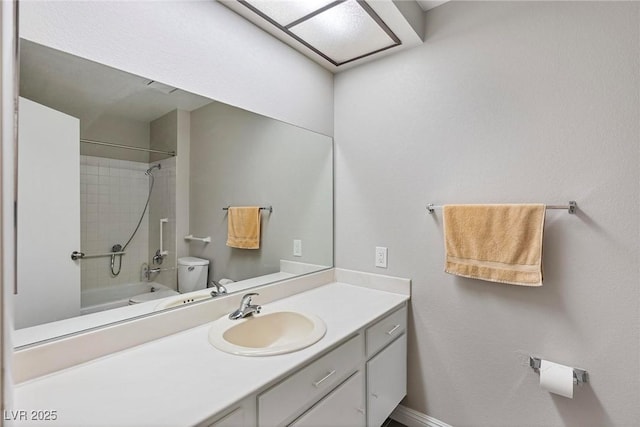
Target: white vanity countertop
(181,380)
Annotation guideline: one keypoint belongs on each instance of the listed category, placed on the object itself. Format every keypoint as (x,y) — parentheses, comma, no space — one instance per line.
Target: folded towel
(243,229)
(498,243)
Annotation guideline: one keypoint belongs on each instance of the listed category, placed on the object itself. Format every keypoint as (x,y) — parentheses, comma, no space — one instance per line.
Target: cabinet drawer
(386,330)
(343,407)
(282,402)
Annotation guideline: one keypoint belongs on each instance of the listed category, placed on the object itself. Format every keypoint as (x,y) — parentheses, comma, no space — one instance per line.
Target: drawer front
(386,330)
(343,407)
(284,401)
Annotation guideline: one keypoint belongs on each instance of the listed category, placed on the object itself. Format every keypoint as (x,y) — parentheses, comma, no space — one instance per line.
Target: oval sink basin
(266,334)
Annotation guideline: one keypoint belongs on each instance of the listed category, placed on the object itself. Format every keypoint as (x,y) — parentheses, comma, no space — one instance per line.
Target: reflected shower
(149,171)
(119,248)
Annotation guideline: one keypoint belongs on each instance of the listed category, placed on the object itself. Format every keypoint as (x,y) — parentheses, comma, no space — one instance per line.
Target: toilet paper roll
(556,378)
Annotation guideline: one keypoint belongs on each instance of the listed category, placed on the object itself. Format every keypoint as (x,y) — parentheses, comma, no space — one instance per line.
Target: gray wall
(242,159)
(505,102)
(117,130)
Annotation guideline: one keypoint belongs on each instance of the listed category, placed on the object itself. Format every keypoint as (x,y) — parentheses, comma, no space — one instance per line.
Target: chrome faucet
(158,257)
(219,289)
(246,308)
(147,272)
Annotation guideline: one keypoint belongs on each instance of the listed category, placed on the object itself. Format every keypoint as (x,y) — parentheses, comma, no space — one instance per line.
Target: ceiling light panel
(338,31)
(344,32)
(284,12)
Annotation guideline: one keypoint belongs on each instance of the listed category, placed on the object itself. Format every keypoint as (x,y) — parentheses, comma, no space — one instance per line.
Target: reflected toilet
(192,274)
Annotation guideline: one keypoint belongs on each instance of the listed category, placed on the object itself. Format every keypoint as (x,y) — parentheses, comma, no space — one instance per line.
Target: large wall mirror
(126,187)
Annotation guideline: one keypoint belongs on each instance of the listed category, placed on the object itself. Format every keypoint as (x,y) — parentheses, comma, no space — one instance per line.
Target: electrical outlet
(381,257)
(297,248)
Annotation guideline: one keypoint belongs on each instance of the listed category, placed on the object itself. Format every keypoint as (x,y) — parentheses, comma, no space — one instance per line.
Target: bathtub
(95,310)
(95,300)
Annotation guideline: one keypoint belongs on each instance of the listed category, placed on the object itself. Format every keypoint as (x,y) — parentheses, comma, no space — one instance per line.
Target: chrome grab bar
(76,255)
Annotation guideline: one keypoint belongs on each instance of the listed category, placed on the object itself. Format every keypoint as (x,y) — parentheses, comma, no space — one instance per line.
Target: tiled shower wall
(112,197)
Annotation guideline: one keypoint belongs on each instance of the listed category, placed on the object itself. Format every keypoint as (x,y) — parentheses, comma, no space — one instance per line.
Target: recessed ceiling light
(340,31)
(287,11)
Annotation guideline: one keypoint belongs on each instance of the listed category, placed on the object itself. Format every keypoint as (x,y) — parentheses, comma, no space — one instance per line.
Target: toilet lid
(150,296)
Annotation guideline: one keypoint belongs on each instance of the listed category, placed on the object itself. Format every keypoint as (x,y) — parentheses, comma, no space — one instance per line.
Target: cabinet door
(343,407)
(386,381)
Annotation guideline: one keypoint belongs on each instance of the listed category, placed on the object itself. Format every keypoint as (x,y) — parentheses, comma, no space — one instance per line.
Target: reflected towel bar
(198,239)
(267,208)
(571,207)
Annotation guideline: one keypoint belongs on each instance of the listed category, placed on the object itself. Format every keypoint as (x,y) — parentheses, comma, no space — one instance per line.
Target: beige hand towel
(243,227)
(498,243)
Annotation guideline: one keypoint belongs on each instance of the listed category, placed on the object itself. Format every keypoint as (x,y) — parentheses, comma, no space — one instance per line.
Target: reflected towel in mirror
(243,227)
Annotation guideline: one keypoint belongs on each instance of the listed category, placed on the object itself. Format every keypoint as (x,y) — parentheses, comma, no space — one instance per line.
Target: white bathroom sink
(266,334)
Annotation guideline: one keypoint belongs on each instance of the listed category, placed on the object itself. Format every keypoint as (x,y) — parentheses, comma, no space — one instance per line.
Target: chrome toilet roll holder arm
(580,376)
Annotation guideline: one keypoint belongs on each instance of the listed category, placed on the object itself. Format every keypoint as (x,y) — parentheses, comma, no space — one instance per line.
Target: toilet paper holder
(580,376)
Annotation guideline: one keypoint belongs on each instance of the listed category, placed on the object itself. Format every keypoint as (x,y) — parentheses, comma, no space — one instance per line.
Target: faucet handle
(246,299)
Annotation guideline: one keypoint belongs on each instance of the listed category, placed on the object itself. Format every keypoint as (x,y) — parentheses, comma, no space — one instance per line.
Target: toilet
(192,274)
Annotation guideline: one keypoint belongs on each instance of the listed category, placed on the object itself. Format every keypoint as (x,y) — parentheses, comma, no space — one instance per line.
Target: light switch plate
(297,248)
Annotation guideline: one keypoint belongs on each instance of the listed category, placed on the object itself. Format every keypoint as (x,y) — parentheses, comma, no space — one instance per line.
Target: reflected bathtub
(100,299)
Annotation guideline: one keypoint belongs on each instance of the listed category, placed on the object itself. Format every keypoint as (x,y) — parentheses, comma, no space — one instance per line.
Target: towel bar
(198,239)
(571,207)
(267,208)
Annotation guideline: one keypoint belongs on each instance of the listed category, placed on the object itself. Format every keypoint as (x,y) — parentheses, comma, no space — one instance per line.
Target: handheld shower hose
(120,248)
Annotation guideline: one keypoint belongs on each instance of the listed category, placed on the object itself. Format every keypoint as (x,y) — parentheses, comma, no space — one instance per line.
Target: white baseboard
(412,418)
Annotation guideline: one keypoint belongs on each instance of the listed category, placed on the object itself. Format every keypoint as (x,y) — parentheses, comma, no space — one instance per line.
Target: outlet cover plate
(381,257)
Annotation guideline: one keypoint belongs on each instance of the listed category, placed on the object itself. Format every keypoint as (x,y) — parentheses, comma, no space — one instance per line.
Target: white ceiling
(88,90)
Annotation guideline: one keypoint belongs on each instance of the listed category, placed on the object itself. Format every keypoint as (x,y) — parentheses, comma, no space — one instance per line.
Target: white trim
(412,418)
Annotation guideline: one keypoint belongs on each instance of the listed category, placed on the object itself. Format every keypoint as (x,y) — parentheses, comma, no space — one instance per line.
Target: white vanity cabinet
(282,403)
(354,376)
(343,407)
(233,419)
(386,366)
(386,381)
(358,383)
(240,415)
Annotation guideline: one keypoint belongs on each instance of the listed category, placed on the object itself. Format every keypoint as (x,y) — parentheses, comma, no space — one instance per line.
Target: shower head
(148,172)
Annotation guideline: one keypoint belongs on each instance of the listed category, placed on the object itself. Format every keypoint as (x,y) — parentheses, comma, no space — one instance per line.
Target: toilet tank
(192,274)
